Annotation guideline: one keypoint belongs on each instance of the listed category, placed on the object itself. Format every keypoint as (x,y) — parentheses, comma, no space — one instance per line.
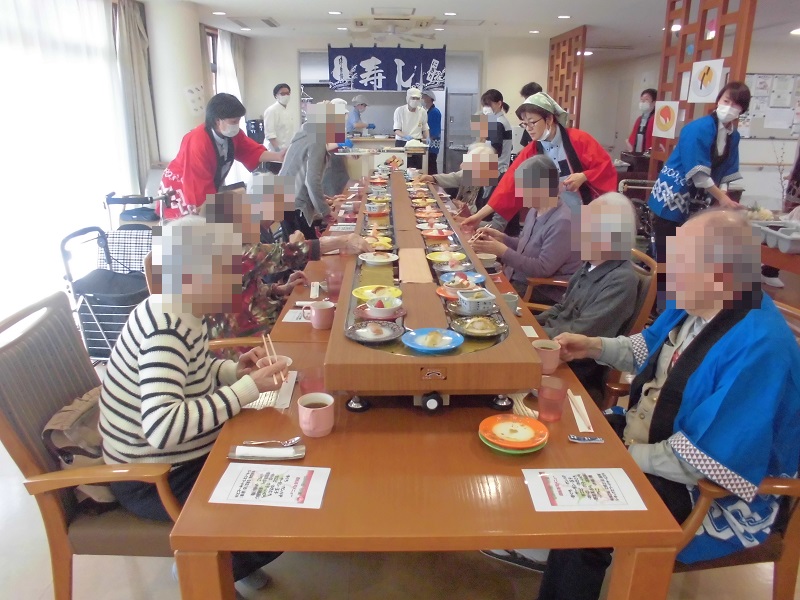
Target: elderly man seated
(475,180)
(601,297)
(717,396)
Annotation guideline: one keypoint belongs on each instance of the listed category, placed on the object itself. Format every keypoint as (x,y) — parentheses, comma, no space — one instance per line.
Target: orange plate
(372,215)
(435,214)
(446,292)
(513,431)
(436,233)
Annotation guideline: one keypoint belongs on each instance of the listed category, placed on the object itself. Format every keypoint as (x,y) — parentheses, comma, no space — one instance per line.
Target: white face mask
(727,113)
(645,107)
(413,103)
(487,110)
(283,100)
(229,130)
(546,135)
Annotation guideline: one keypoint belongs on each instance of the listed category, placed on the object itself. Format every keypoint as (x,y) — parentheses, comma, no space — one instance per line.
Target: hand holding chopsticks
(272,358)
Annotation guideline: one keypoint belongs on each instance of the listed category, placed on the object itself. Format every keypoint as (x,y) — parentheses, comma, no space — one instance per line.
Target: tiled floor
(25,570)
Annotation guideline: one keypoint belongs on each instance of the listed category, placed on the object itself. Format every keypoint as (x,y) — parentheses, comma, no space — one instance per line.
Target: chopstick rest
(259,453)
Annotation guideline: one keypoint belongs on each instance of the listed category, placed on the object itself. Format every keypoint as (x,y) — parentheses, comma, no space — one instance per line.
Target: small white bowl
(474,302)
(390,306)
(264,362)
(372,207)
(487,260)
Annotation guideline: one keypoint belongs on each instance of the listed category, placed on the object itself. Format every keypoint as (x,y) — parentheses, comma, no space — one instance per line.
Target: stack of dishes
(513,434)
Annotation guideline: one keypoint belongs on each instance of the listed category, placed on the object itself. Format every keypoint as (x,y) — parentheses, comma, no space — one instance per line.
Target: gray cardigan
(600,302)
(305,160)
(543,249)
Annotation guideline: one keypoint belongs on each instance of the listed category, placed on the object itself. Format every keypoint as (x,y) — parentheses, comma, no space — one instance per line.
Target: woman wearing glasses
(585,168)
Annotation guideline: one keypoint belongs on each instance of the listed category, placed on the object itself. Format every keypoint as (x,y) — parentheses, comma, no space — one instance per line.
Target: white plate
(440,226)
(378,258)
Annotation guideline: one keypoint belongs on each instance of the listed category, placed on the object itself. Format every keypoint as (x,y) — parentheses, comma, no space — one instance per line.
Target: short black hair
(279,87)
(739,93)
(650,92)
(223,106)
(493,95)
(529,89)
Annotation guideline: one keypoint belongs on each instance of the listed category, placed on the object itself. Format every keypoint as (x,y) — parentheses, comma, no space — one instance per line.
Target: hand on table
(575,346)
(294,280)
(297,237)
(574,181)
(490,246)
(268,377)
(247,361)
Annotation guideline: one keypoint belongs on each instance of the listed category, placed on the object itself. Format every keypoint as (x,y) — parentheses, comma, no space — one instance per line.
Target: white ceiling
(633,23)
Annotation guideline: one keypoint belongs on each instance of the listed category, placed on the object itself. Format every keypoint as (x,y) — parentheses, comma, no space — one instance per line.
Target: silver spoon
(284,443)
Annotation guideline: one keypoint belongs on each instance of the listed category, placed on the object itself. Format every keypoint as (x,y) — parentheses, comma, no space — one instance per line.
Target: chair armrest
(708,491)
(219,344)
(155,473)
(533,306)
(534,281)
(619,388)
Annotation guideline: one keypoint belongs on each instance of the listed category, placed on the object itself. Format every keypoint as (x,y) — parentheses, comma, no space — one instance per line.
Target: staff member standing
(279,124)
(528,90)
(411,123)
(435,127)
(355,119)
(206,156)
(706,156)
(641,138)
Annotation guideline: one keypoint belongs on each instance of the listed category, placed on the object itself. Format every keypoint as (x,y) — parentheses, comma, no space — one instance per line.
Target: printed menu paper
(564,490)
(271,485)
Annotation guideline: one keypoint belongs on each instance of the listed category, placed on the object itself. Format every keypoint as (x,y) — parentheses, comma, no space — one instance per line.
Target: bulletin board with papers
(774,108)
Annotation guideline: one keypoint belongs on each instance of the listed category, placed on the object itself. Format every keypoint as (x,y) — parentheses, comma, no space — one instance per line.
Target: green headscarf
(545,102)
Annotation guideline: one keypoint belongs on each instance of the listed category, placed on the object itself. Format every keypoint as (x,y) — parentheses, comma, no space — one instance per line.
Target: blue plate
(413,340)
(474,277)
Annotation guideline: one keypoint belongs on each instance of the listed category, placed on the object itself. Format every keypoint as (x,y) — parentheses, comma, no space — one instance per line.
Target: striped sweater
(164,398)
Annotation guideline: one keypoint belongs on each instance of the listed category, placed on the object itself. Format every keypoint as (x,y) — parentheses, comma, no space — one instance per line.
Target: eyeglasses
(525,124)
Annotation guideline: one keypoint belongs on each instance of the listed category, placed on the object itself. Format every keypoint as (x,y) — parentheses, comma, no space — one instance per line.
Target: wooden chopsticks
(272,358)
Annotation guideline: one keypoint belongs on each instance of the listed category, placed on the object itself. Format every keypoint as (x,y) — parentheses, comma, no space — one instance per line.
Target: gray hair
(731,246)
(619,224)
(188,246)
(538,172)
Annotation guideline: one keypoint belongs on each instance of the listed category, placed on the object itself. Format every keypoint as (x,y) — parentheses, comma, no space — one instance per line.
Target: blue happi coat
(693,154)
(737,422)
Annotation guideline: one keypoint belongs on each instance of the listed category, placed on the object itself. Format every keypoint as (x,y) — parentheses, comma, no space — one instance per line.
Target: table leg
(641,573)
(205,575)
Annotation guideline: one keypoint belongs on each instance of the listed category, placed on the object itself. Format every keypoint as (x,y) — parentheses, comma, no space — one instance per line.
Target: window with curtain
(66,145)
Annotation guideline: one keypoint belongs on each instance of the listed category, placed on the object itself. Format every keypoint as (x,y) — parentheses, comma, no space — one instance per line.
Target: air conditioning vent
(270,22)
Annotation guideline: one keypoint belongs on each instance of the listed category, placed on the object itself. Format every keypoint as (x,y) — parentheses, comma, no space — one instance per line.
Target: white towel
(261,452)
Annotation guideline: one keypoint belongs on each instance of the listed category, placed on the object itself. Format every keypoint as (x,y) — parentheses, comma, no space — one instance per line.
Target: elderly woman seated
(164,397)
(601,296)
(262,302)
(477,177)
(545,247)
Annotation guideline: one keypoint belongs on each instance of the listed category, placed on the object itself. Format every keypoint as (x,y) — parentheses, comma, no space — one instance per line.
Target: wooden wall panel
(565,73)
(709,29)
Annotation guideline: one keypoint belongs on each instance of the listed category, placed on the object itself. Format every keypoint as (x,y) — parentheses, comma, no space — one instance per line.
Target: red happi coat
(601,176)
(192,172)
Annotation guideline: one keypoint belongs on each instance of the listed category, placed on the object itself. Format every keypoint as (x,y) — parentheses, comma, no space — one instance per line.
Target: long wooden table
(403,480)
(775,258)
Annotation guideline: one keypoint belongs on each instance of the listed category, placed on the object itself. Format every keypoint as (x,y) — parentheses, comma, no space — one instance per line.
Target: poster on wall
(386,69)
(706,81)
(666,119)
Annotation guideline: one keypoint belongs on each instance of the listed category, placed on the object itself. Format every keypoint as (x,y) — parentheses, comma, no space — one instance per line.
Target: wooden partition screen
(565,74)
(697,30)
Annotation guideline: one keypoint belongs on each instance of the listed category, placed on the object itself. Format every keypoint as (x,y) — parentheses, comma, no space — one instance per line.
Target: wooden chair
(645,298)
(43,367)
(536,307)
(781,547)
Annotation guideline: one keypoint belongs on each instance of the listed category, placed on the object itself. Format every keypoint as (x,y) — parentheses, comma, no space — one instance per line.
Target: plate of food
(472,276)
(380,213)
(450,293)
(428,211)
(436,233)
(367,313)
(368,292)
(445,257)
(479,326)
(378,258)
(374,332)
(513,431)
(379,243)
(423,201)
(432,340)
(452,265)
(444,247)
(432,225)
(456,309)
(380,199)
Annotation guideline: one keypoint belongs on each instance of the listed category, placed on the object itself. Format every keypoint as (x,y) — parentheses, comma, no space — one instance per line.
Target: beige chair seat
(108,533)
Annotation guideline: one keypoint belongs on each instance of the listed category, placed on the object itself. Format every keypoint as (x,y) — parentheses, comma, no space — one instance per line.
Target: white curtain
(140,122)
(230,79)
(205,59)
(65,145)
